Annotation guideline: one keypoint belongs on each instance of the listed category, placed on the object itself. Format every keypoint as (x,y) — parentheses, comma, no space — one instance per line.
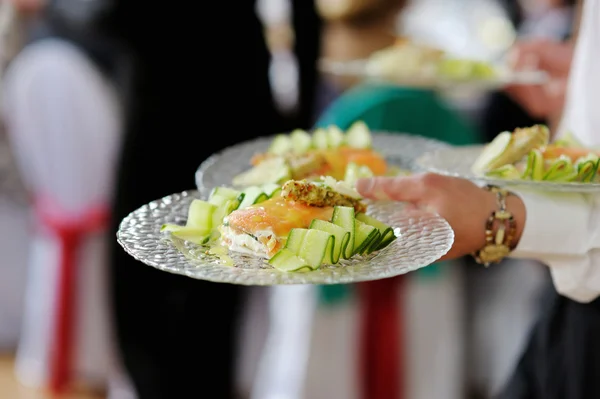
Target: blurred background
(68,93)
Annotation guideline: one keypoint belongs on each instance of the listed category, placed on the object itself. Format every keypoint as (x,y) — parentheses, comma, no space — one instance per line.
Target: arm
(563,231)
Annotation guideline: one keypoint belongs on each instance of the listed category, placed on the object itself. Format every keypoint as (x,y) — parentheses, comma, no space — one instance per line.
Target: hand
(544,101)
(464,205)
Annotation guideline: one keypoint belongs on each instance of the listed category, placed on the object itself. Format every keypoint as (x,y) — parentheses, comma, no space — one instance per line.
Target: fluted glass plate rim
(423,238)
(456,161)
(220,168)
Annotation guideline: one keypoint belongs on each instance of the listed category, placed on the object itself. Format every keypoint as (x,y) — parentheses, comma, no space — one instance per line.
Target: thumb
(405,188)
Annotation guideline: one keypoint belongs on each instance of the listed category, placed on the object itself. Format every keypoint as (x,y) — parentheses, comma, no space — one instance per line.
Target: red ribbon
(381,347)
(70,231)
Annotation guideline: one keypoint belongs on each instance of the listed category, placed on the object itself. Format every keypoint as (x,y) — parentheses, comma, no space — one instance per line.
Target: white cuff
(556,224)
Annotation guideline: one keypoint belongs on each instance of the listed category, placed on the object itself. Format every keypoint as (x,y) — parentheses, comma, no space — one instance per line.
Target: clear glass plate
(422,239)
(358,69)
(399,149)
(457,161)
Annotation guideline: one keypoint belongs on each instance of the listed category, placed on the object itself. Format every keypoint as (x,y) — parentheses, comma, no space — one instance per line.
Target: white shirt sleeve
(562,230)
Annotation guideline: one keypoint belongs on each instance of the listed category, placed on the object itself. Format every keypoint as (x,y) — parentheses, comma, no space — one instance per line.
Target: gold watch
(500,230)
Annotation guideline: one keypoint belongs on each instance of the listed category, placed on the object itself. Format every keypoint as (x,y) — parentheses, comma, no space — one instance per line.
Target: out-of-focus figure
(13,208)
(504,302)
(62,111)
(200,83)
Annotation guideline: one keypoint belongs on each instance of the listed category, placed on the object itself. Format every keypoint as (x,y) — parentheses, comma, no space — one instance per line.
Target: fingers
(412,188)
(540,101)
(554,57)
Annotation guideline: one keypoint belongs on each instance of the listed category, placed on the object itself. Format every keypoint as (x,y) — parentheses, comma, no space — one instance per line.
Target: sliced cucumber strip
(193,236)
(335,137)
(223,210)
(251,196)
(286,261)
(341,240)
(295,240)
(199,225)
(271,189)
(200,215)
(197,236)
(364,236)
(225,192)
(281,144)
(535,166)
(355,171)
(319,139)
(274,170)
(358,135)
(343,216)
(568,140)
(492,152)
(505,172)
(301,141)
(586,171)
(386,232)
(561,170)
(316,247)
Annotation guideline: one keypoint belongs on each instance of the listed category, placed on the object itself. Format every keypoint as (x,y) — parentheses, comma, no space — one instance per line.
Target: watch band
(500,231)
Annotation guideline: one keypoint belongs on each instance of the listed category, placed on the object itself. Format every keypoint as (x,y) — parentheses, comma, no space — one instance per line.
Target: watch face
(494,252)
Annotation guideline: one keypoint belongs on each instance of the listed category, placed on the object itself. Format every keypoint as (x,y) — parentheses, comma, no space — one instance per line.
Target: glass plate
(422,239)
(399,149)
(457,161)
(357,69)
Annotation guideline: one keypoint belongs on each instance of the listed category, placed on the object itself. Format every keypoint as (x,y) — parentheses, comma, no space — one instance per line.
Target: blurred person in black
(199,83)
(552,19)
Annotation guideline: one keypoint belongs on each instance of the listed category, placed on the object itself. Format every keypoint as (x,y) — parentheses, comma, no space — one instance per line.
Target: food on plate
(408,59)
(310,155)
(300,225)
(527,154)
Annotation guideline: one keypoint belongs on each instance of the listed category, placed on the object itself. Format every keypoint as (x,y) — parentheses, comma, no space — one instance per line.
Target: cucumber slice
(358,135)
(271,189)
(364,236)
(295,239)
(561,170)
(491,152)
(286,261)
(223,210)
(587,168)
(281,144)
(319,139)
(340,243)
(535,166)
(335,137)
(508,172)
(252,195)
(199,225)
(355,172)
(568,140)
(343,216)
(225,192)
(316,248)
(301,141)
(586,171)
(274,170)
(194,235)
(386,232)
(200,215)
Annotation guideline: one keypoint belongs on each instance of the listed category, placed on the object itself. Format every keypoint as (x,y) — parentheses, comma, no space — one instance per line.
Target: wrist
(516,207)
(503,226)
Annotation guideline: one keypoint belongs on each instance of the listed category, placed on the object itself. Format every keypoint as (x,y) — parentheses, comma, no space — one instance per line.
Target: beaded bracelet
(500,231)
